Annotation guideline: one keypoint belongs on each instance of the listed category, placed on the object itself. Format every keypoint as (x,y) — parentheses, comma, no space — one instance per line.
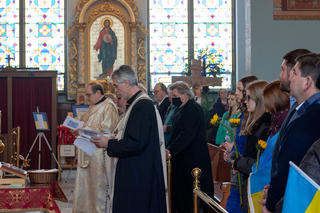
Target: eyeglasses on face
(156,91)
(88,95)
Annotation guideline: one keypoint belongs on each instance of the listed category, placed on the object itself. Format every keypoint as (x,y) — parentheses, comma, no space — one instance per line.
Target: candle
(65,136)
(60,135)
(70,137)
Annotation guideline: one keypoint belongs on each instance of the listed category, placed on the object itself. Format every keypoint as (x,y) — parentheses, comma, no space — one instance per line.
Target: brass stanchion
(196,173)
(15,146)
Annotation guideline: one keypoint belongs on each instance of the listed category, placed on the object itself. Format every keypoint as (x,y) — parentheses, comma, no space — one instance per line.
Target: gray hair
(182,88)
(95,86)
(125,72)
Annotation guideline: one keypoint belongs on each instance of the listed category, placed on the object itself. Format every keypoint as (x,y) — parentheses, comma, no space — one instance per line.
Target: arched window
(32,33)
(181,30)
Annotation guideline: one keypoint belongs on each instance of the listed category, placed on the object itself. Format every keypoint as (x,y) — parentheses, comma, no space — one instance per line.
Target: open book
(13,170)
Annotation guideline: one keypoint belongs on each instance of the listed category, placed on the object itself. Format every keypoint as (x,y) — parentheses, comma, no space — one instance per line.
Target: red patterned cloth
(35,197)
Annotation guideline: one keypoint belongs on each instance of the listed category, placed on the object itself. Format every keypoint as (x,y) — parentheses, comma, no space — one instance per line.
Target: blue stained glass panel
(213,37)
(168,27)
(9,32)
(45,36)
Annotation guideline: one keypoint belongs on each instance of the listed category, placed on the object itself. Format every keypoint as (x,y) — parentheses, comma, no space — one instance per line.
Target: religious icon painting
(296,9)
(107,46)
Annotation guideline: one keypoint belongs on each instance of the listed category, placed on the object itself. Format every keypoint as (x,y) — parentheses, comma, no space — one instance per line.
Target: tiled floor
(67,188)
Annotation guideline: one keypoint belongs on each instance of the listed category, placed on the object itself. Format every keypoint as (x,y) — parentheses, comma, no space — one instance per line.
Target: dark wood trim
(32,74)
(10,117)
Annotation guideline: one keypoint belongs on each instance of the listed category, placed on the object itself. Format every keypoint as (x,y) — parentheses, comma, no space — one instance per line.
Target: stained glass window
(9,32)
(168,39)
(45,36)
(212,38)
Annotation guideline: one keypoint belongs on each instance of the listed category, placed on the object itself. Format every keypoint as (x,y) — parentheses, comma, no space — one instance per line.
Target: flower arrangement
(235,123)
(261,146)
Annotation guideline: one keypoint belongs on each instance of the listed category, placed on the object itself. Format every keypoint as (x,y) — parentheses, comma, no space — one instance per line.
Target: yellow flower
(234,122)
(214,119)
(262,144)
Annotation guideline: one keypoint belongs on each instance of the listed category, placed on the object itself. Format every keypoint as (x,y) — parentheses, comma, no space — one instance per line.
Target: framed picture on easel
(79,111)
(41,121)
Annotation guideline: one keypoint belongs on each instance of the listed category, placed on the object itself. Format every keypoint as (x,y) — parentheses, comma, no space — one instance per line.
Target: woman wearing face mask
(232,113)
(188,148)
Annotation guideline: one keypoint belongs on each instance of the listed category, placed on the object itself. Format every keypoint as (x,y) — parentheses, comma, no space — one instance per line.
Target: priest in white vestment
(90,194)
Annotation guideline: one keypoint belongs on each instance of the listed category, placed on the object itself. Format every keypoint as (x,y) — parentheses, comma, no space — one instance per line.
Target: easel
(41,125)
(40,135)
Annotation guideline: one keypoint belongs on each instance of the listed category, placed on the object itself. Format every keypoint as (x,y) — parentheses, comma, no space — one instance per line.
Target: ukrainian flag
(302,193)
(260,177)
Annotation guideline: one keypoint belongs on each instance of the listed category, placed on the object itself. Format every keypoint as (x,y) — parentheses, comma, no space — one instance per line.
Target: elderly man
(139,182)
(91,181)
(160,96)
(188,147)
(300,132)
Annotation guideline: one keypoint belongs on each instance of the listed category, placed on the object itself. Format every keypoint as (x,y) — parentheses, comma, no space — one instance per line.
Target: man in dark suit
(160,96)
(299,134)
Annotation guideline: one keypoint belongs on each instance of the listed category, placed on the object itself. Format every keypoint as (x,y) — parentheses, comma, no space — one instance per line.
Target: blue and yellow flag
(260,177)
(302,193)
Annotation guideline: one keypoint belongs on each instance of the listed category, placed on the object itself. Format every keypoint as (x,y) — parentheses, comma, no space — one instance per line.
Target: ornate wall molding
(133,6)
(142,67)
(81,4)
(72,64)
(133,26)
(81,79)
(81,26)
(133,50)
(107,7)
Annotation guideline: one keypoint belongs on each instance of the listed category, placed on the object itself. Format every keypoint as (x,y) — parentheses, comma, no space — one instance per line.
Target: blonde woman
(255,126)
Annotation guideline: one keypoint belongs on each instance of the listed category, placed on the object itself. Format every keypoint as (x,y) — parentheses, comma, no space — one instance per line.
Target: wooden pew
(220,174)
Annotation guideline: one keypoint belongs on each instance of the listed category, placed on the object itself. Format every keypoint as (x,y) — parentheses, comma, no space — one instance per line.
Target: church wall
(272,39)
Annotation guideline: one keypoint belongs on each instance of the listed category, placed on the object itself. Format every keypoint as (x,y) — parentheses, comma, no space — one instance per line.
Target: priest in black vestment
(188,147)
(139,184)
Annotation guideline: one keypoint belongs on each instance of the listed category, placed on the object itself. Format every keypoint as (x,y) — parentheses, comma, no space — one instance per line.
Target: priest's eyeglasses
(88,95)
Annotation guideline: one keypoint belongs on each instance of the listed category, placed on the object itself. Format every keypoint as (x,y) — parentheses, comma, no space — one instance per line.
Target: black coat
(260,131)
(189,150)
(163,108)
(298,137)
(310,164)
(217,108)
(139,181)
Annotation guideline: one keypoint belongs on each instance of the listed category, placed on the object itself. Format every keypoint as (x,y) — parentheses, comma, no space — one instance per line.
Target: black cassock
(139,182)
(189,149)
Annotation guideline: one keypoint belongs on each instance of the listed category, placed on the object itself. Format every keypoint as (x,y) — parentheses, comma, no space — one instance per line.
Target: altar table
(33,197)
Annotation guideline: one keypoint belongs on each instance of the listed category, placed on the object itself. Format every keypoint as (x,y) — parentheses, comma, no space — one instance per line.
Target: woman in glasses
(256,127)
(233,201)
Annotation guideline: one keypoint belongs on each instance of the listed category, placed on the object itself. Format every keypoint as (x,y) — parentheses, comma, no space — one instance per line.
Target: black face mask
(177,102)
